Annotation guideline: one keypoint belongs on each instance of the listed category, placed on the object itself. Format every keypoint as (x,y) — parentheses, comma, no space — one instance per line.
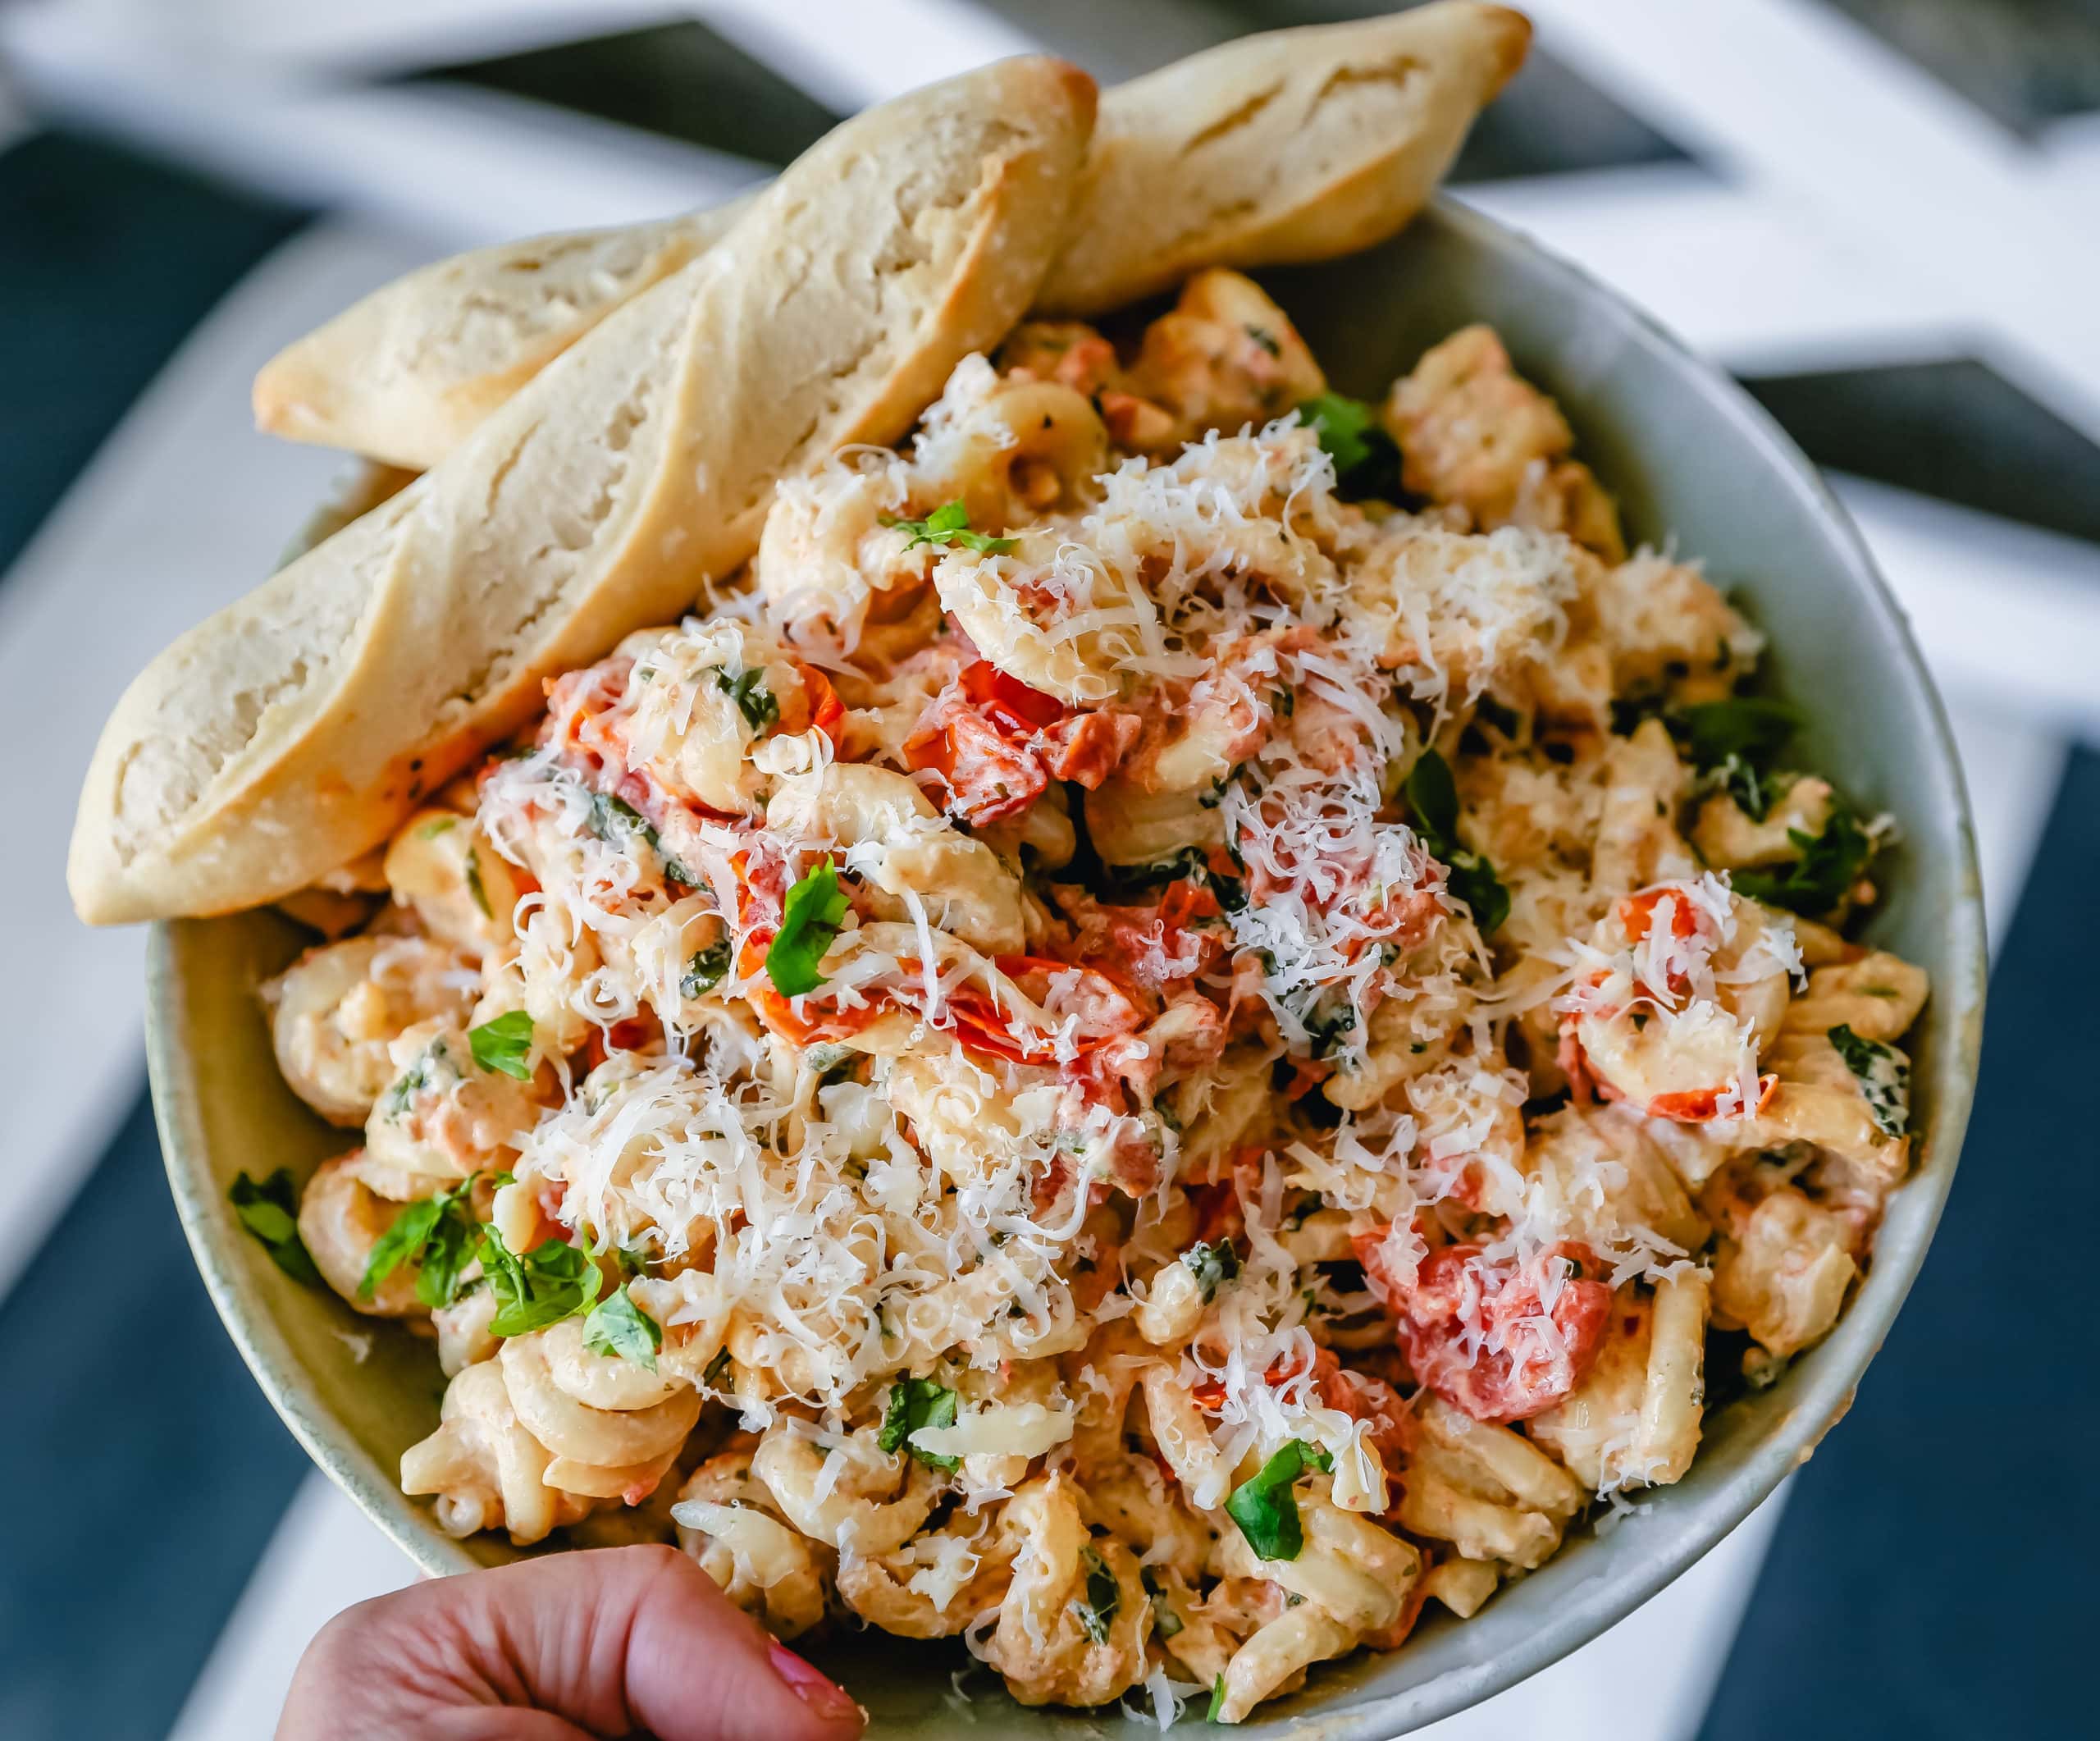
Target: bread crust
(405,374)
(1295,146)
(293,730)
(1291,146)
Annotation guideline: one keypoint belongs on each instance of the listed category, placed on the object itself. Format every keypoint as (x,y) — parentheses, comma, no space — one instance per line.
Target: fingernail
(822,1695)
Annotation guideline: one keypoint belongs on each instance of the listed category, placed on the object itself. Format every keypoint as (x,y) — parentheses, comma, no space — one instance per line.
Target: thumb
(699,1669)
(610,1641)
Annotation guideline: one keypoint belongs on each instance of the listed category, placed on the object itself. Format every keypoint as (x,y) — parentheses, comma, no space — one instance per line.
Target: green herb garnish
(706,969)
(1367,459)
(915,1403)
(1266,1509)
(504,1043)
(1884,1077)
(814,910)
(474,882)
(1104,1596)
(1817,881)
(413,1081)
(438,1235)
(614,820)
(1433,795)
(1217,1700)
(1212,1266)
(1749,726)
(552,1282)
(949,524)
(270,1212)
(1328,1023)
(1736,742)
(759,706)
(617,1325)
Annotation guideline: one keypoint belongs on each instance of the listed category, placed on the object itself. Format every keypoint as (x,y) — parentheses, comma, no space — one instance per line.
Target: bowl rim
(1604,1597)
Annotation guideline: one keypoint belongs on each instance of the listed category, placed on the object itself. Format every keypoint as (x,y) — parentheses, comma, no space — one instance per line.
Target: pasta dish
(1199,1015)
(1016,971)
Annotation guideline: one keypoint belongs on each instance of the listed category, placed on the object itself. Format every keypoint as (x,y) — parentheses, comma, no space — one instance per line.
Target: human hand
(605,1643)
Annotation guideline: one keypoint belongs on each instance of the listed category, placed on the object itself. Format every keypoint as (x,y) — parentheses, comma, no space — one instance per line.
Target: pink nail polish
(823,1696)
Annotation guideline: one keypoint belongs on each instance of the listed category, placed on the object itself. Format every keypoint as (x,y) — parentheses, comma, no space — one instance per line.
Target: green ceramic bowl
(1689,455)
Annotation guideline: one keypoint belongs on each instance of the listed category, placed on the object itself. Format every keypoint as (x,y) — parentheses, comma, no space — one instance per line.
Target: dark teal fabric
(143,1470)
(106,261)
(1933,1577)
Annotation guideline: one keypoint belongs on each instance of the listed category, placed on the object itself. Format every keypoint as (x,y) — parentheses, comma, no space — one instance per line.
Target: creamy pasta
(1196,1014)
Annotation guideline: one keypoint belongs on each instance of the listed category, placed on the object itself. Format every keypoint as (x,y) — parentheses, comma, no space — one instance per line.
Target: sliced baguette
(1295,145)
(404,375)
(294,730)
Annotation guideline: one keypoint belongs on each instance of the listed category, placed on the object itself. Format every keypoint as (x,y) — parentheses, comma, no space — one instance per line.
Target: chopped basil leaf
(611,818)
(1366,461)
(617,1325)
(1817,881)
(437,1236)
(1884,1078)
(1266,339)
(815,908)
(1217,1700)
(705,970)
(718,1370)
(1212,1266)
(270,1212)
(915,1403)
(437,825)
(1104,1596)
(759,706)
(552,1282)
(830,1063)
(474,882)
(1748,726)
(1433,795)
(1734,742)
(614,820)
(949,524)
(505,1043)
(1328,1023)
(1473,880)
(403,1242)
(413,1081)
(1266,1509)
(450,1251)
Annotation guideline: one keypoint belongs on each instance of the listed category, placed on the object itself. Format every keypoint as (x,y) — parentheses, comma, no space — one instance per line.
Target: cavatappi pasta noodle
(1190,1022)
